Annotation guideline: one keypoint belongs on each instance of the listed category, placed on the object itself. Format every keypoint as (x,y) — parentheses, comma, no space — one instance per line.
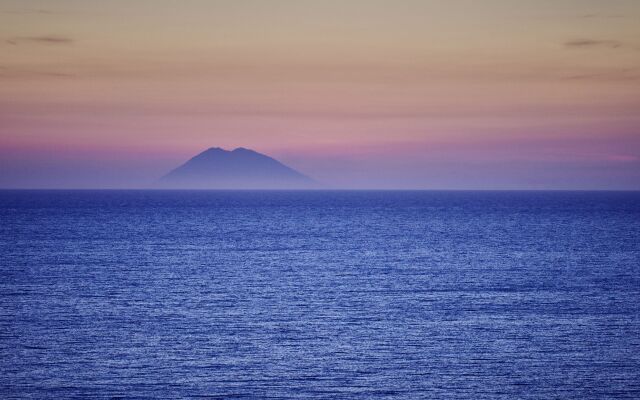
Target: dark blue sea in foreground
(341,295)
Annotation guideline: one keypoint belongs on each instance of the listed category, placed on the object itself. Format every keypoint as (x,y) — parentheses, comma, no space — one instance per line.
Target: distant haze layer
(497,94)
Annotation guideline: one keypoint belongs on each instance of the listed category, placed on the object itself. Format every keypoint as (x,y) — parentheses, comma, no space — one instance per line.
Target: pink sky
(497,94)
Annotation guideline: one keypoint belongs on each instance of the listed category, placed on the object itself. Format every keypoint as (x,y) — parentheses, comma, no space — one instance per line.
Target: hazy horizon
(498,95)
(76,175)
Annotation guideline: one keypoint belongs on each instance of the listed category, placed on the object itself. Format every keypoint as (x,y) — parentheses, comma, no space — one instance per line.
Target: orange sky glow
(498,94)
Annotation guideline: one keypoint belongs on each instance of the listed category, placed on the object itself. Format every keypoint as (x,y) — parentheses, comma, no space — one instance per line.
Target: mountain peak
(241,168)
(220,150)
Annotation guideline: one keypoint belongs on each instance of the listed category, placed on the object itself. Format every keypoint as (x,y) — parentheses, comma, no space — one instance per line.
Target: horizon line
(313,190)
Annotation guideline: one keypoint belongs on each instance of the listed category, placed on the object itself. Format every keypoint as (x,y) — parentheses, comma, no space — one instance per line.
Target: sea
(319,294)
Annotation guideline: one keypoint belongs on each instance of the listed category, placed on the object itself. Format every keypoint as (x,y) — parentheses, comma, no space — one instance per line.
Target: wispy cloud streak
(44,40)
(591,43)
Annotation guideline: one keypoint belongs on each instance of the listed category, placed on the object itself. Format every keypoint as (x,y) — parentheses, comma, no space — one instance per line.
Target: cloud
(13,72)
(45,40)
(607,74)
(591,43)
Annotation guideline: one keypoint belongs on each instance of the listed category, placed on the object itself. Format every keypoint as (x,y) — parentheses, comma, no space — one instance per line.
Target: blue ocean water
(170,294)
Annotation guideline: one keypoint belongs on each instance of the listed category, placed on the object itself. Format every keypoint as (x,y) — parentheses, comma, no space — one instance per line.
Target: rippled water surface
(319,294)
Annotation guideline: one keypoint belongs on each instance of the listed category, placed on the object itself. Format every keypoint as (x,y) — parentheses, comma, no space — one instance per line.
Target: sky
(394,94)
